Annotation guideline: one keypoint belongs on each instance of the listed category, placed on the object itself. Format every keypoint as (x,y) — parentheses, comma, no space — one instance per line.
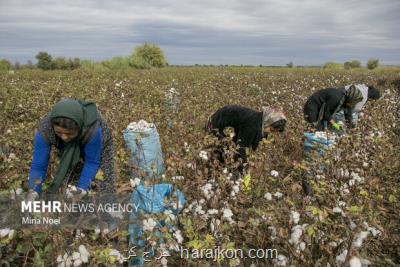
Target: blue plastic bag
(312,142)
(151,200)
(146,153)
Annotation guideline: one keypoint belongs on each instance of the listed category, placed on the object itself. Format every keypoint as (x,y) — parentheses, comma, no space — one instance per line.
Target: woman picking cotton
(250,127)
(78,131)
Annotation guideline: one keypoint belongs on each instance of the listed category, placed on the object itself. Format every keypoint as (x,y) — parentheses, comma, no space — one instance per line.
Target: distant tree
(44,61)
(5,65)
(29,65)
(17,65)
(116,63)
(76,63)
(60,63)
(332,65)
(372,63)
(290,64)
(352,64)
(148,56)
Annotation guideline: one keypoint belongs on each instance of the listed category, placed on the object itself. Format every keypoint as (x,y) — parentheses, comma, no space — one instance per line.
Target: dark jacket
(246,123)
(325,103)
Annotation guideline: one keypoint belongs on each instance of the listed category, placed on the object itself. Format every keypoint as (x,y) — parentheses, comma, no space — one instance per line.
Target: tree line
(145,56)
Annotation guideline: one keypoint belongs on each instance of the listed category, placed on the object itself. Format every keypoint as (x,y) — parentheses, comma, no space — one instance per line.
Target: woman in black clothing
(323,104)
(250,127)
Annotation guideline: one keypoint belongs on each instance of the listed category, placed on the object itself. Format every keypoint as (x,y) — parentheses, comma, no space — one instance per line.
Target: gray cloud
(204,31)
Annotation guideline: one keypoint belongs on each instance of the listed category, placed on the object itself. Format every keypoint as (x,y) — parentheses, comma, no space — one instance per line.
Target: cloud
(204,31)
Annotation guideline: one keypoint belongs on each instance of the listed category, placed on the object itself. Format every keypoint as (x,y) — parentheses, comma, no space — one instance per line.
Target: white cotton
(268,196)
(4,232)
(68,262)
(294,217)
(84,254)
(170,215)
(332,244)
(352,225)
(77,263)
(149,224)
(337,210)
(302,246)
(236,189)
(342,204)
(273,232)
(227,215)
(59,259)
(341,257)
(297,232)
(140,126)
(61,264)
(281,260)
(164,262)
(97,230)
(135,182)
(178,178)
(76,255)
(203,155)
(359,238)
(375,232)
(178,236)
(274,173)
(355,262)
(278,195)
(212,211)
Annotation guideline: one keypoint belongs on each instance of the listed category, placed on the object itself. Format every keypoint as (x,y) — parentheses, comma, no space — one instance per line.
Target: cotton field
(351,218)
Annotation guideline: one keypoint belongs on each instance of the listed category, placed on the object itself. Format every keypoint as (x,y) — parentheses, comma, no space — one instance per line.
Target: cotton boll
(302,246)
(337,210)
(294,217)
(236,189)
(76,255)
(268,196)
(341,258)
(84,254)
(164,262)
(297,232)
(135,182)
(281,260)
(77,263)
(278,195)
(355,262)
(274,173)
(273,232)
(212,211)
(227,215)
(60,259)
(203,155)
(359,238)
(4,232)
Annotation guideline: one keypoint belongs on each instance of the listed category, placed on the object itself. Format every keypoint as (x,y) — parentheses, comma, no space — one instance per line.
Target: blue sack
(151,200)
(146,153)
(312,142)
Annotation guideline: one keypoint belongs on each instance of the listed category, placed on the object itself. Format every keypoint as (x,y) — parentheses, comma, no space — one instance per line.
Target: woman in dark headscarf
(323,104)
(250,126)
(77,129)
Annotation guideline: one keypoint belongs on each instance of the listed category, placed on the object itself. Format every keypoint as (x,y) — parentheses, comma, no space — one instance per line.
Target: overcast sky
(268,32)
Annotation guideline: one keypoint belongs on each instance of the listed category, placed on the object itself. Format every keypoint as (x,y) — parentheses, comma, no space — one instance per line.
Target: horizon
(205,33)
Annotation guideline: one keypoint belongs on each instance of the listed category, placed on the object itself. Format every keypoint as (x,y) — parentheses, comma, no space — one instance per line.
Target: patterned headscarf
(353,95)
(271,115)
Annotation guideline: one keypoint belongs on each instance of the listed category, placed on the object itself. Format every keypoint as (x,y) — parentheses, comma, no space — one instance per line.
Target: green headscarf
(85,115)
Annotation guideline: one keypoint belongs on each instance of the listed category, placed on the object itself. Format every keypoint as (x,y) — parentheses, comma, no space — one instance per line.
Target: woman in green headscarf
(76,128)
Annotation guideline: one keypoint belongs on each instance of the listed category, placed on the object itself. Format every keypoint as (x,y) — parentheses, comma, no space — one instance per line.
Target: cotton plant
(76,258)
